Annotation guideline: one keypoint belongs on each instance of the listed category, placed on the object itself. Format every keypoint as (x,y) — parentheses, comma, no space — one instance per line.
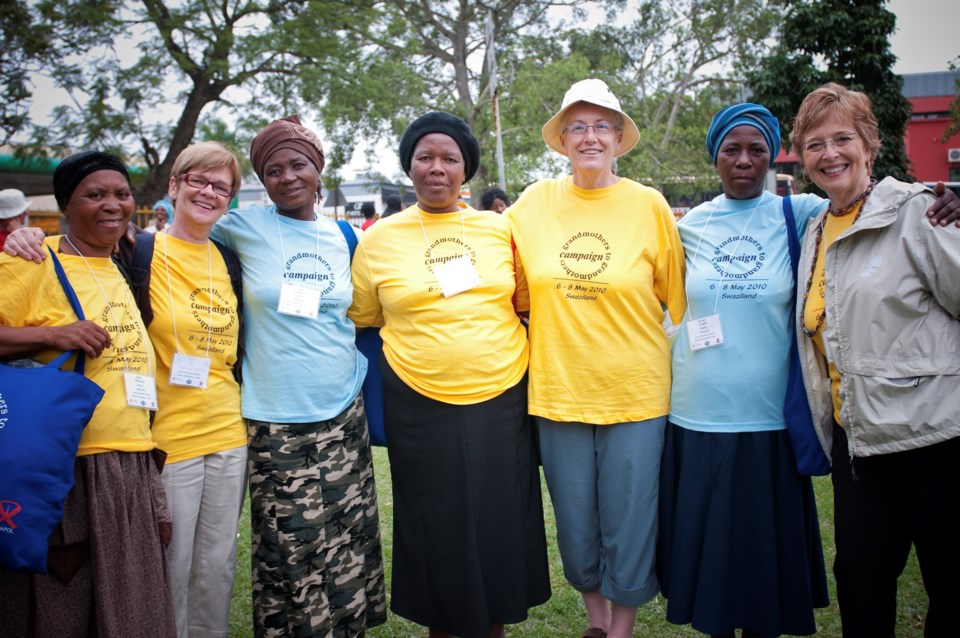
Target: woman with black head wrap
(469,552)
(107,557)
(316,543)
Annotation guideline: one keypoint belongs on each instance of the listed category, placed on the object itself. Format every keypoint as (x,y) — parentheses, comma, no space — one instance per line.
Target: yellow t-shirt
(204,323)
(600,265)
(833,227)
(462,349)
(31,295)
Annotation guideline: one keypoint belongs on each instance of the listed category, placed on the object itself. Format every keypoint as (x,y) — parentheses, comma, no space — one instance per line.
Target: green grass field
(562,615)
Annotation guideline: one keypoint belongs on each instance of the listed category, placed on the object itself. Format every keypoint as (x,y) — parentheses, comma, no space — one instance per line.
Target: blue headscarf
(167,205)
(737,115)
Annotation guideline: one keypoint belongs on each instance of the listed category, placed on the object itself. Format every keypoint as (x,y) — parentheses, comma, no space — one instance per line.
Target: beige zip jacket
(892,328)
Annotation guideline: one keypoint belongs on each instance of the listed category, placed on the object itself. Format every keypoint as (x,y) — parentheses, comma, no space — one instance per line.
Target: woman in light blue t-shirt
(317,564)
(739,538)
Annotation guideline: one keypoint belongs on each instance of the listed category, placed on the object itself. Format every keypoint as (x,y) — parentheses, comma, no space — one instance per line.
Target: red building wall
(927,154)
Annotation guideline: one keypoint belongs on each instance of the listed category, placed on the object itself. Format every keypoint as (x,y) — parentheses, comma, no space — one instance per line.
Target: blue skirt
(739,540)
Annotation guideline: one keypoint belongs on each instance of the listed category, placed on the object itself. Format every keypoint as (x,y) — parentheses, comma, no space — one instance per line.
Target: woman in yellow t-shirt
(469,550)
(108,555)
(602,259)
(194,323)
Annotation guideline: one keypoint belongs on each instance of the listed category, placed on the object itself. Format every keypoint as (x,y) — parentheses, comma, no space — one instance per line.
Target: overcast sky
(928,34)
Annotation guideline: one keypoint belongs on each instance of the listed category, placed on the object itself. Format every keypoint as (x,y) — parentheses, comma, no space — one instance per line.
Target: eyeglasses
(200,182)
(600,128)
(840,141)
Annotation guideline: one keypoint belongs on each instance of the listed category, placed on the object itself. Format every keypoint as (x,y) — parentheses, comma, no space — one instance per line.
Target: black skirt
(739,543)
(469,548)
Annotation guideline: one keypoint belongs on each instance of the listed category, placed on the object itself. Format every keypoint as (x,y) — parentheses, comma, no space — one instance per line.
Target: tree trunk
(158,177)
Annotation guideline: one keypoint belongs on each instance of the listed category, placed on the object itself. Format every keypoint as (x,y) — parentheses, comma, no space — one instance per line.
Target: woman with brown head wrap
(317,565)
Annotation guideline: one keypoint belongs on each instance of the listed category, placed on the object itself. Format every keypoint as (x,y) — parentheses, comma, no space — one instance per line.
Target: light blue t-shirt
(738,266)
(296,369)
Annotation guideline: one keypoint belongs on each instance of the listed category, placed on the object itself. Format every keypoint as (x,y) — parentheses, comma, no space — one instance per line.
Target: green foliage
(844,41)
(126,65)
(672,65)
(365,69)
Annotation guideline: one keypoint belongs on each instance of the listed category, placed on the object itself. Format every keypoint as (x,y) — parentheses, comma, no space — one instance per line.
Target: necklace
(846,210)
(859,205)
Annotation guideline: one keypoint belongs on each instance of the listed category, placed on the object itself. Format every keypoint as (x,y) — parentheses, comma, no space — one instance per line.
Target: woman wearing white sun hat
(602,259)
(13,212)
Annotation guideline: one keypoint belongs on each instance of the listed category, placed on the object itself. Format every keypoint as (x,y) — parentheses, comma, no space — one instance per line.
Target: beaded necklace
(857,204)
(846,210)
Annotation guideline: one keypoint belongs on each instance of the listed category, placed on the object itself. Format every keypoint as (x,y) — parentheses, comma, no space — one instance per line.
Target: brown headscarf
(288,133)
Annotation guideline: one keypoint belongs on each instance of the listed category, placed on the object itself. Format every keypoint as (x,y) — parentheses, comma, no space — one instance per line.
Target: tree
(844,41)
(125,64)
(416,56)
(24,43)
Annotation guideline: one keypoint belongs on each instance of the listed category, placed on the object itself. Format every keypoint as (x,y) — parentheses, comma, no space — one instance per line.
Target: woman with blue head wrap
(739,542)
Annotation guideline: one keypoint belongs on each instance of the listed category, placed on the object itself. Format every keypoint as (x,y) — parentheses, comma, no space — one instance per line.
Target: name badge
(456,276)
(141,390)
(705,332)
(189,371)
(299,301)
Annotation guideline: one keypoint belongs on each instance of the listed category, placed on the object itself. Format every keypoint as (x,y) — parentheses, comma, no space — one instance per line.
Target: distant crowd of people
(515,335)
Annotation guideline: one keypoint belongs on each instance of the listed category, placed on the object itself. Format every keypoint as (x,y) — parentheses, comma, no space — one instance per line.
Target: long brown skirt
(108,568)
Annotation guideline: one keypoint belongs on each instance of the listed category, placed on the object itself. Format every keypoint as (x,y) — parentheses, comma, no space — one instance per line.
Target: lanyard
(173,314)
(316,258)
(113,317)
(463,233)
(736,246)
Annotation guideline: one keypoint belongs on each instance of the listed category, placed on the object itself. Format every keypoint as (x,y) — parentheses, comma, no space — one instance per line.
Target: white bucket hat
(592,91)
(12,203)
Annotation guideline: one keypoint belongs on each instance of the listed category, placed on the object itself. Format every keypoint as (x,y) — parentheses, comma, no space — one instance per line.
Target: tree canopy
(147,78)
(843,41)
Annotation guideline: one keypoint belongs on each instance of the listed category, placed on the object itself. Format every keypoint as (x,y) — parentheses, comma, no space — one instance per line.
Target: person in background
(317,563)
(108,566)
(602,259)
(393,205)
(369,213)
(469,549)
(739,541)
(162,214)
(879,339)
(13,212)
(494,199)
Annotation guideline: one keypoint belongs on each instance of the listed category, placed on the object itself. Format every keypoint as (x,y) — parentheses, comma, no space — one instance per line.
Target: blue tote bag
(43,411)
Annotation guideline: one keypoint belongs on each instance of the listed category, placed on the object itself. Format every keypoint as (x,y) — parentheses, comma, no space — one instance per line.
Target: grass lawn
(562,615)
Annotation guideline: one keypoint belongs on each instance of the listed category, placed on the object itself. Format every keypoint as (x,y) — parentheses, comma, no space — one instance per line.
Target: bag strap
(349,235)
(793,242)
(793,245)
(77,309)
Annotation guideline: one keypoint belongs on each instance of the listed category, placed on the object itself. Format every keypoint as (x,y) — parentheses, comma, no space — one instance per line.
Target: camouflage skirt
(317,564)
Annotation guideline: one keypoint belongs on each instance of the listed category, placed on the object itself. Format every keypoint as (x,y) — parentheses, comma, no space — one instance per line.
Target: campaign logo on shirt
(585,255)
(126,336)
(224,316)
(309,269)
(747,262)
(446,248)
